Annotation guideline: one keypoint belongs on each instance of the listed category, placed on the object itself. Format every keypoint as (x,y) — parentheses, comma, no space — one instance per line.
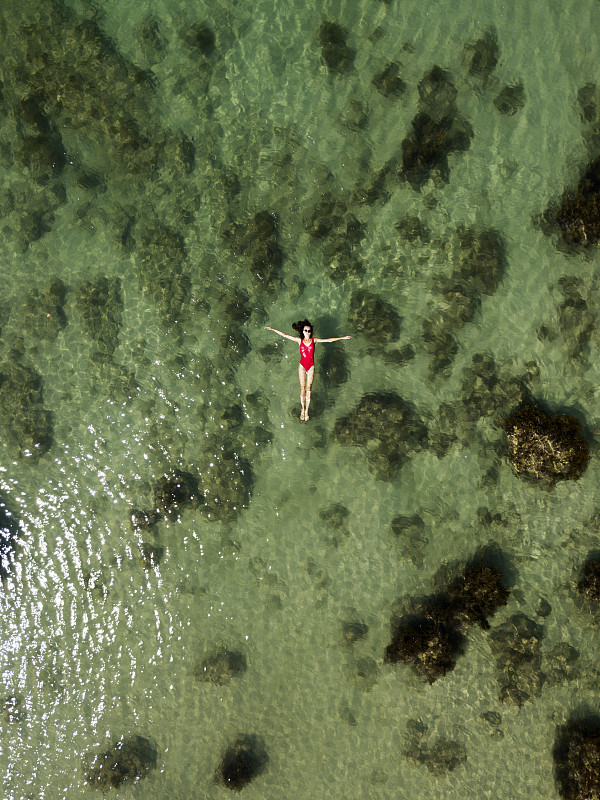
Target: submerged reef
(353,630)
(100,304)
(76,78)
(576,317)
(116,380)
(476,593)
(9,531)
(143,519)
(440,343)
(258,242)
(388,82)
(160,263)
(366,673)
(151,41)
(201,39)
(588,584)
(228,481)
(27,425)
(38,145)
(176,491)
(411,535)
(249,421)
(487,392)
(517,647)
(333,366)
(437,93)
(221,666)
(238,305)
(437,131)
(374,317)
(336,55)
(544,448)
(387,427)
(511,99)
(42,313)
(562,664)
(243,761)
(204,49)
(480,57)
(236,345)
(327,216)
(440,755)
(139,150)
(150,555)
(75,100)
(13,708)
(413,230)
(232,418)
(28,215)
(588,98)
(335,516)
(179,158)
(432,637)
(429,645)
(444,430)
(576,755)
(428,146)
(589,104)
(480,259)
(129,759)
(341,253)
(577,214)
(479,262)
(399,357)
(341,233)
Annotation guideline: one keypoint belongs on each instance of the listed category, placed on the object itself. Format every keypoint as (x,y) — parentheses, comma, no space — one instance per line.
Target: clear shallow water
(96,647)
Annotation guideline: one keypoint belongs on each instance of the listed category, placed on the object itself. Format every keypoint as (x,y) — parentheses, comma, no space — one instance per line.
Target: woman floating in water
(306,368)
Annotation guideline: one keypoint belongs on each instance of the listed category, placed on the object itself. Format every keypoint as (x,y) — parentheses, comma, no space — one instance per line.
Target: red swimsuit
(307,354)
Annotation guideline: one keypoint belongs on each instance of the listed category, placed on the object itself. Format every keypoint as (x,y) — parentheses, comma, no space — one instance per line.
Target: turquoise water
(138,178)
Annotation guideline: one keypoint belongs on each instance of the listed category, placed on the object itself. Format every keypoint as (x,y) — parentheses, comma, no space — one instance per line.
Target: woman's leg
(309,379)
(302,376)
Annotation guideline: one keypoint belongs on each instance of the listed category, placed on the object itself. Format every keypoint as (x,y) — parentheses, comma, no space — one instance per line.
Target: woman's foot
(302,416)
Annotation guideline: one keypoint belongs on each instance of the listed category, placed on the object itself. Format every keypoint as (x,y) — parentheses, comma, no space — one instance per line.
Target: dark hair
(300,325)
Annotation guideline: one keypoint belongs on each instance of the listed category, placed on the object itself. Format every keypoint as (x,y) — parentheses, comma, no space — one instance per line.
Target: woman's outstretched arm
(335,339)
(285,335)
